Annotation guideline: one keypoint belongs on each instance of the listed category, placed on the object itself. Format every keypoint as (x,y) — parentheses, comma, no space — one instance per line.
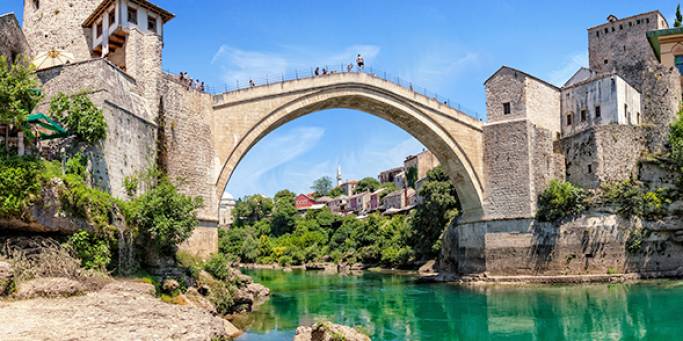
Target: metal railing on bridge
(267,80)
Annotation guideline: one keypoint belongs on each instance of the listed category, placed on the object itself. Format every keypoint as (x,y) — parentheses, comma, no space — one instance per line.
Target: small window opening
(590,169)
(638,118)
(597,33)
(151,23)
(569,119)
(99,29)
(638,22)
(630,23)
(613,29)
(132,15)
(506,108)
(584,115)
(597,111)
(621,27)
(606,61)
(36,4)
(647,20)
(112,17)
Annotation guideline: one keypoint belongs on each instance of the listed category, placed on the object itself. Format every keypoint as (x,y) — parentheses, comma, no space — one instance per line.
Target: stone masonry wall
(507,160)
(543,104)
(12,40)
(593,244)
(143,52)
(57,24)
(622,42)
(131,138)
(547,160)
(611,151)
(506,86)
(188,151)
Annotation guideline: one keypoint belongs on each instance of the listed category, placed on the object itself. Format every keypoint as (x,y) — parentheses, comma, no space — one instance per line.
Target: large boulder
(258,290)
(198,300)
(6,278)
(49,287)
(327,331)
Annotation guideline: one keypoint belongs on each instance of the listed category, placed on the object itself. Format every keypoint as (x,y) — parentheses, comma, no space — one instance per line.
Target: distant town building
(389,175)
(349,187)
(338,205)
(399,201)
(376,200)
(359,203)
(400,180)
(422,162)
(225,208)
(304,201)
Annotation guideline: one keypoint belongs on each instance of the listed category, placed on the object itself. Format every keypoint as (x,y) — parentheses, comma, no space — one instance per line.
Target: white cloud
(435,69)
(251,175)
(571,65)
(237,64)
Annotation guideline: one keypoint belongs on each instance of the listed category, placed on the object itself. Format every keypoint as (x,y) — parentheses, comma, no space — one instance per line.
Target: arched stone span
(240,119)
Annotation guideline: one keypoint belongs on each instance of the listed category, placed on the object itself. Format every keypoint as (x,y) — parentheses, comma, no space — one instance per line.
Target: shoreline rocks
(327,331)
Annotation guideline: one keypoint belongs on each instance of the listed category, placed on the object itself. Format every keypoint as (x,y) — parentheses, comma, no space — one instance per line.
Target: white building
(590,99)
(225,210)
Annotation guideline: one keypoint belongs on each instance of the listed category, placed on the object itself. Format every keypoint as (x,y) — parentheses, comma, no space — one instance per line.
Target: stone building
(389,175)
(12,41)
(349,187)
(359,203)
(422,162)
(225,208)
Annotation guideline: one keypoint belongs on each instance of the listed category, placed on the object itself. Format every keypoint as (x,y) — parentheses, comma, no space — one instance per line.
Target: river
(394,307)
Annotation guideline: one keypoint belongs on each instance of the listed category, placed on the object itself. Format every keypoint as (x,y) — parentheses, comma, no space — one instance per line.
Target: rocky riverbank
(121,310)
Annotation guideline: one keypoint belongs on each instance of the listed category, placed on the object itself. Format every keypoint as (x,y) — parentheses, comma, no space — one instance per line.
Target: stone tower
(521,153)
(57,24)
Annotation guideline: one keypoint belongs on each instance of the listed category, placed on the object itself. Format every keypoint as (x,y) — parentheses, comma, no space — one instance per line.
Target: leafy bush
(164,216)
(20,183)
(93,252)
(632,199)
(634,242)
(218,266)
(130,184)
(676,139)
(91,204)
(561,199)
(80,116)
(77,165)
(19,92)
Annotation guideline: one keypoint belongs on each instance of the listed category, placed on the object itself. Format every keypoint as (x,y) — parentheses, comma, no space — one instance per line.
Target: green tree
(164,216)
(80,116)
(322,186)
(439,206)
(561,199)
(19,91)
(336,192)
(284,213)
(368,184)
(251,209)
(93,251)
(411,176)
(679,17)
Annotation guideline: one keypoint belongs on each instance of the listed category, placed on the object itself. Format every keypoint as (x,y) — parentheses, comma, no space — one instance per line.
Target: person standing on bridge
(361,62)
(349,67)
(316,71)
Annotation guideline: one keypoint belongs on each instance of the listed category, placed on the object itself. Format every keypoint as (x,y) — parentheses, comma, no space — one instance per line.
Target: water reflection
(392,307)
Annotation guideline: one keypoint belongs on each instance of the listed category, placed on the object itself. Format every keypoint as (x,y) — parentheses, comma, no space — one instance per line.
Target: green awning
(50,129)
(653,38)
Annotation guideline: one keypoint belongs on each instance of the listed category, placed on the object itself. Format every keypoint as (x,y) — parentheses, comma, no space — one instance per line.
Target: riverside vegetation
(112,236)
(271,230)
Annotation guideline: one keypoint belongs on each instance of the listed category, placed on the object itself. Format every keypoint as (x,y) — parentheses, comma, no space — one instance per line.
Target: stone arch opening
(433,129)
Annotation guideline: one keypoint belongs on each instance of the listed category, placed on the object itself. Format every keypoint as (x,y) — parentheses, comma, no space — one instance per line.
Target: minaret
(339,176)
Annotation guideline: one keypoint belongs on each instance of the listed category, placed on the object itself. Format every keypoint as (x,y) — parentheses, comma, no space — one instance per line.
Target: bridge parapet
(259,92)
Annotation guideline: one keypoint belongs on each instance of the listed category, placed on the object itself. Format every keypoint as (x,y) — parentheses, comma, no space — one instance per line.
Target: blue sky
(449,47)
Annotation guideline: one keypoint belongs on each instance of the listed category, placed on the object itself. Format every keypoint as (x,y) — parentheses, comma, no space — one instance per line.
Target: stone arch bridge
(208,135)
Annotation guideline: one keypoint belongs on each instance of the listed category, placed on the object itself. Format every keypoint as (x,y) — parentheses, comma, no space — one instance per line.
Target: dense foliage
(20,183)
(282,235)
(251,209)
(633,199)
(322,186)
(19,91)
(80,116)
(368,184)
(94,252)
(164,216)
(439,206)
(561,199)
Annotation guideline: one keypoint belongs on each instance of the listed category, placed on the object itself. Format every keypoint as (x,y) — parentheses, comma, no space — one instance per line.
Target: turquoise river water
(394,307)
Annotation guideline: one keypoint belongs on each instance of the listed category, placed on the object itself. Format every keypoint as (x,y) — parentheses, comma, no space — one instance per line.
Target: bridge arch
(241,120)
